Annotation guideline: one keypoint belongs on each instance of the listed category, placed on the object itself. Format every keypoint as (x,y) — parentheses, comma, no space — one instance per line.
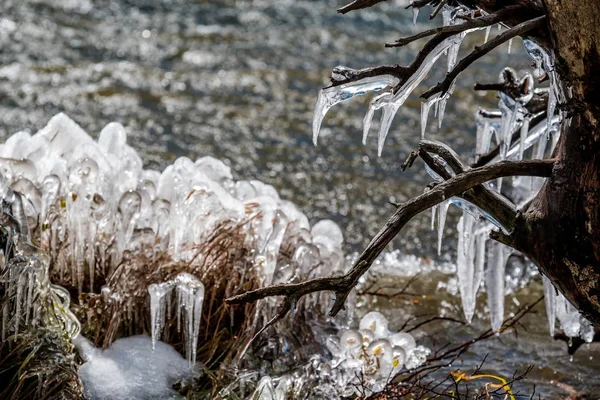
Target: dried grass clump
(39,364)
(224,263)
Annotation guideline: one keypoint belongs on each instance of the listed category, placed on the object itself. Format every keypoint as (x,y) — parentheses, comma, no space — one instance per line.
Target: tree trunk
(561,229)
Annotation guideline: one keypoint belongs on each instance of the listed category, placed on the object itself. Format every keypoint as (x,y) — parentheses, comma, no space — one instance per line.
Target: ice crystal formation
(365,358)
(141,248)
(479,260)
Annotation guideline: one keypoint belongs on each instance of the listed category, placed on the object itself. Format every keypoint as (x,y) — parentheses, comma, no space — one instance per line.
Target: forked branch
(455,186)
(489,201)
(479,51)
(450,30)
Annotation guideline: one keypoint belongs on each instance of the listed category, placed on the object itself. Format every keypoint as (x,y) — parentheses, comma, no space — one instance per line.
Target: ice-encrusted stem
(331,96)
(392,103)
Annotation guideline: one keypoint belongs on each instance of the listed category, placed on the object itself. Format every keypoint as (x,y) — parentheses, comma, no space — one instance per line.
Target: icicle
(442,212)
(190,296)
(424,114)
(486,128)
(487,33)
(433,212)
(540,148)
(495,284)
(568,316)
(331,96)
(550,301)
(425,107)
(377,103)
(415,11)
(271,251)
(391,104)
(533,137)
(524,132)
(158,292)
(465,265)
(442,108)
(506,125)
(550,110)
(481,240)
(509,45)
(453,51)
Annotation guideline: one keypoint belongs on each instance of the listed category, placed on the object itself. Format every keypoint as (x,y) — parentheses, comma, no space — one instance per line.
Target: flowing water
(238,80)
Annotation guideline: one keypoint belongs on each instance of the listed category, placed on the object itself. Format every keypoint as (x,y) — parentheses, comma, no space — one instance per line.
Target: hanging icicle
(331,96)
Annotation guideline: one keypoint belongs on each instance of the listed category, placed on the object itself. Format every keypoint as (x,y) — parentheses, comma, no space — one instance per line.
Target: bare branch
(482,50)
(445,152)
(357,5)
(438,9)
(455,186)
(418,4)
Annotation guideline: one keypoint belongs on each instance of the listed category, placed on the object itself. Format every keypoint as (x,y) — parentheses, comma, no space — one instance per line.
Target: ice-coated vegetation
(142,245)
(363,362)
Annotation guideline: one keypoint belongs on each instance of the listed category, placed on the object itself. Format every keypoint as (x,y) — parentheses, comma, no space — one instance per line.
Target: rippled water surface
(238,80)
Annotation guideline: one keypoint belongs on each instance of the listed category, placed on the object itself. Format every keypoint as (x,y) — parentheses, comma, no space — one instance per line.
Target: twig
(342,285)
(438,9)
(410,160)
(357,5)
(444,32)
(482,50)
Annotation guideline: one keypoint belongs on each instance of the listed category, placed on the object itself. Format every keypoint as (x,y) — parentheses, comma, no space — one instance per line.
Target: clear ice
(495,283)
(190,296)
(331,96)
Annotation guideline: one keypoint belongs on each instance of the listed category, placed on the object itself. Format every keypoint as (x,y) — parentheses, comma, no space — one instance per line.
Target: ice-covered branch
(342,75)
(449,30)
(455,186)
(514,89)
(482,50)
(489,201)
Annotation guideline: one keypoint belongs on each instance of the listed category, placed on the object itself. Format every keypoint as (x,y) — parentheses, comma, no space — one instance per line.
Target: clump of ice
(130,369)
(95,201)
(90,205)
(366,358)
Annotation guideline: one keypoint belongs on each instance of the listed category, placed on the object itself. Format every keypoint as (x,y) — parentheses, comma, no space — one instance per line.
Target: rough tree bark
(560,229)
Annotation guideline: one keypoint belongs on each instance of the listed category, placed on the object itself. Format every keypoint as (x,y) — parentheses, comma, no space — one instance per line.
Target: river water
(238,80)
